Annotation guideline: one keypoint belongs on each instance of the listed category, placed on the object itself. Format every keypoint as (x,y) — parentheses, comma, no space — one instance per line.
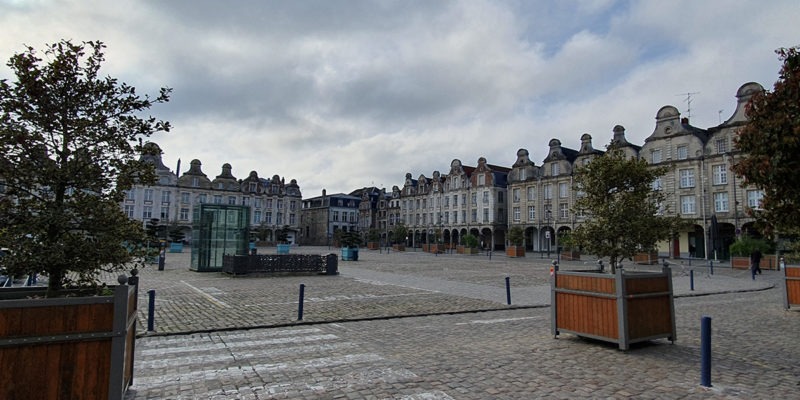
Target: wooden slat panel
(602,283)
(636,285)
(586,314)
(650,316)
(793,271)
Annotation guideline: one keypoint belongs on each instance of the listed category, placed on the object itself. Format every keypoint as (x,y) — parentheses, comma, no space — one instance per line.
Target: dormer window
(555,169)
(253,187)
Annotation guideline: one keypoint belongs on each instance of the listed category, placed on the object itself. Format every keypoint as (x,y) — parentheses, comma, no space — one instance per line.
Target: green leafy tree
(70,141)
(400,232)
(617,194)
(770,144)
(516,235)
(282,234)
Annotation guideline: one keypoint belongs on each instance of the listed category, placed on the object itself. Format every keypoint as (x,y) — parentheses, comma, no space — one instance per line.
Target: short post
(711,267)
(300,303)
(508,290)
(691,279)
(705,351)
(151,310)
(162,256)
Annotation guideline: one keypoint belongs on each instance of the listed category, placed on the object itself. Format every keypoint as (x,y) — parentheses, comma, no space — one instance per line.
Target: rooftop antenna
(688,103)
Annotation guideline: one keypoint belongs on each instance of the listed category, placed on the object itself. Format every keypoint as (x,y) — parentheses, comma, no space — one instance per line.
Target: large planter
(426,247)
(176,247)
(66,348)
(570,255)
(791,278)
(436,248)
(284,248)
(648,258)
(767,262)
(349,253)
(373,245)
(399,247)
(623,308)
(515,251)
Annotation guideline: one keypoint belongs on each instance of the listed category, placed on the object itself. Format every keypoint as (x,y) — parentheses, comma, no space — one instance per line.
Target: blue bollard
(691,279)
(300,303)
(711,267)
(705,351)
(151,310)
(508,290)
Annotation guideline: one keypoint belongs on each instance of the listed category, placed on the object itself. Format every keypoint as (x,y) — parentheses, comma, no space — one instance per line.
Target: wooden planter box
(646,258)
(437,248)
(373,245)
(792,285)
(515,251)
(767,262)
(66,348)
(426,247)
(398,247)
(570,255)
(624,308)
(466,250)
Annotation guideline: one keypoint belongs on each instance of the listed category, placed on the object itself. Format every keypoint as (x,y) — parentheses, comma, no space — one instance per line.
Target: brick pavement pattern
(504,352)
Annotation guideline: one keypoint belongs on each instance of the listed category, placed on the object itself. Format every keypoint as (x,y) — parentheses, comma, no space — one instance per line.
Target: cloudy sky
(345,94)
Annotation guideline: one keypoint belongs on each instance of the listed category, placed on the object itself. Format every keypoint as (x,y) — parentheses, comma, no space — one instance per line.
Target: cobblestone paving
(446,351)
(379,285)
(506,354)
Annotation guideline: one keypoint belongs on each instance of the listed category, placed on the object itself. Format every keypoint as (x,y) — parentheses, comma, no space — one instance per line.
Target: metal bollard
(151,310)
(508,290)
(691,279)
(300,303)
(705,351)
(711,267)
(162,256)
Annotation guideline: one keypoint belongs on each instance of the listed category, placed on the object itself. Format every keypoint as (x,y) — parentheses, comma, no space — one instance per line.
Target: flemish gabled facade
(700,186)
(447,207)
(273,203)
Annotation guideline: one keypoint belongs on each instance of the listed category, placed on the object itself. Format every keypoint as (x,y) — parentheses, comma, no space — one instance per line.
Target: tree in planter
(400,232)
(374,235)
(69,142)
(516,235)
(350,239)
(176,233)
(282,234)
(470,241)
(770,143)
(624,208)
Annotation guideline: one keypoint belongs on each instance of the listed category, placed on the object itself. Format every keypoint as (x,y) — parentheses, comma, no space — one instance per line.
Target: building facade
(324,215)
(700,186)
(274,204)
(445,208)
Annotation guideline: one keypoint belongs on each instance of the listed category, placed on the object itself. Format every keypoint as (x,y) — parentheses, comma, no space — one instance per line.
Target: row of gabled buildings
(487,199)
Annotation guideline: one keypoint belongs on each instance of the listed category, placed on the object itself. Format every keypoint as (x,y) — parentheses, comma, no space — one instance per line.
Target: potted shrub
(516,237)
(470,244)
(373,239)
(69,156)
(399,236)
(569,250)
(350,241)
(741,249)
(176,237)
(282,235)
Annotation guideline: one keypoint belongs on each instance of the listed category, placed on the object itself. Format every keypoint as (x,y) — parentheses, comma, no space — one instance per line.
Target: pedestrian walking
(755,261)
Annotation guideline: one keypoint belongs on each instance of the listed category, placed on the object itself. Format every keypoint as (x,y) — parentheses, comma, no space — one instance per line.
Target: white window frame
(721,203)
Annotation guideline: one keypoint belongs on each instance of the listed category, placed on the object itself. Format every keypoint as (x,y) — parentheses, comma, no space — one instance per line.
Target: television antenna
(688,103)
